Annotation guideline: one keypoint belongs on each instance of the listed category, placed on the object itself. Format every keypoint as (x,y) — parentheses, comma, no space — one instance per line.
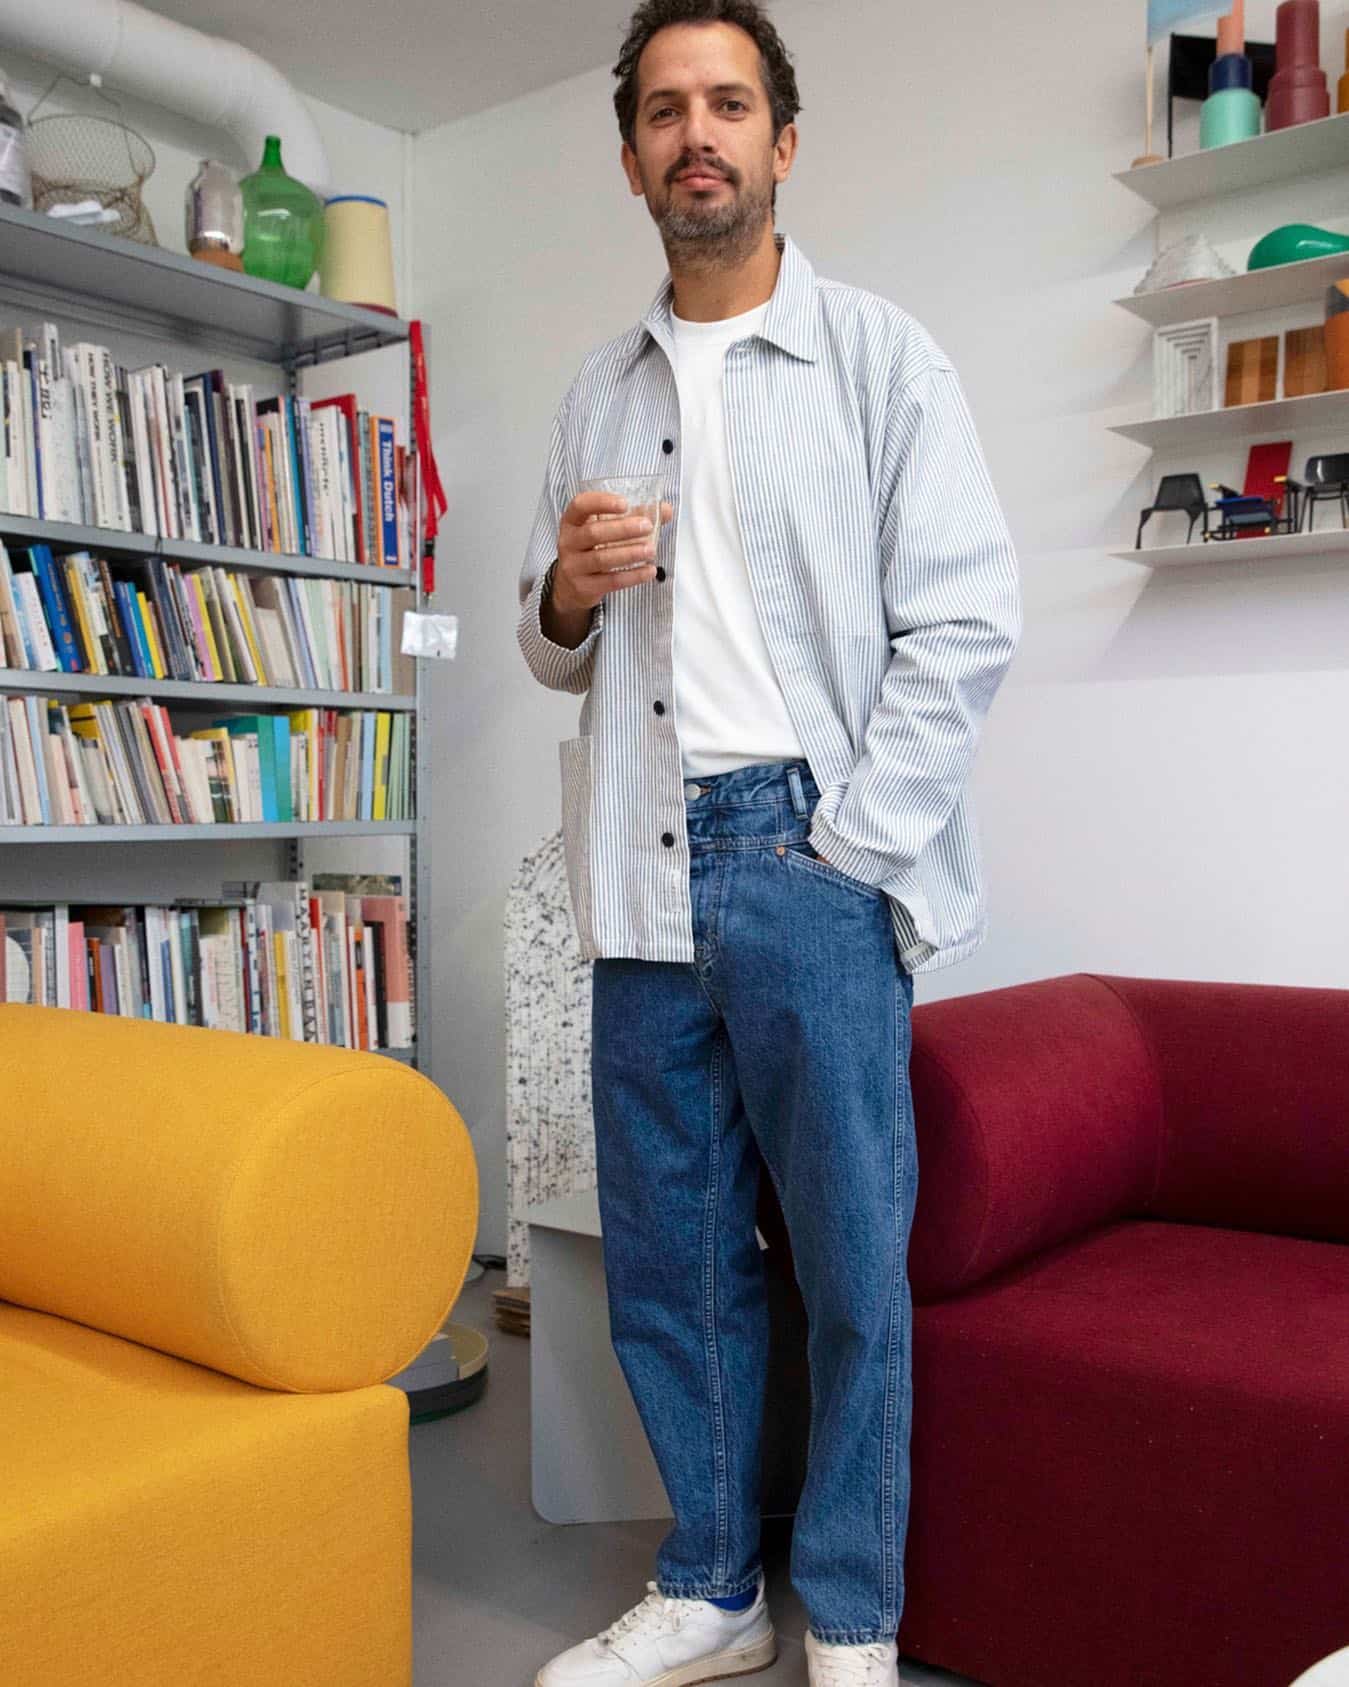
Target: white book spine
(141,457)
(191,506)
(318,445)
(95,419)
(80,436)
(29,436)
(48,503)
(167,456)
(121,504)
(4,436)
(35,624)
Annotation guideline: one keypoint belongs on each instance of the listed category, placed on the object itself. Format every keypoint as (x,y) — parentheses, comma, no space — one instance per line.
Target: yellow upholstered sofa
(214,1248)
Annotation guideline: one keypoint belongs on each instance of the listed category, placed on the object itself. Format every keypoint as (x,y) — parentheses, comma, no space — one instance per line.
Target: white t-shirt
(729,708)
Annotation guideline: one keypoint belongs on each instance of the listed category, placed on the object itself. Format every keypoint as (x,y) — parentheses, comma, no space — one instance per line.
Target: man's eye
(665,108)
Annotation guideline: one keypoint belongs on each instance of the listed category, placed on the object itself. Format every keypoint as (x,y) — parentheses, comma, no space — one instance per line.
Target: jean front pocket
(802,854)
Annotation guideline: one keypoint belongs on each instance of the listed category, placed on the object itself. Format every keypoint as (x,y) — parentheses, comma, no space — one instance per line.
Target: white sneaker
(876,1665)
(666,1642)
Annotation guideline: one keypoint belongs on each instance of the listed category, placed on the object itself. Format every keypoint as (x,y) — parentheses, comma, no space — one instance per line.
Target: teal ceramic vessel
(1233,114)
(1292,242)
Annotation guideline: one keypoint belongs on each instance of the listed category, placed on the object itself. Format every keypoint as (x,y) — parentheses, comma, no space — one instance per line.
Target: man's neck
(708,294)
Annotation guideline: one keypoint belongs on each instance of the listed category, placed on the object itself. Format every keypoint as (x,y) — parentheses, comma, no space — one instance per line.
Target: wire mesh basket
(79,157)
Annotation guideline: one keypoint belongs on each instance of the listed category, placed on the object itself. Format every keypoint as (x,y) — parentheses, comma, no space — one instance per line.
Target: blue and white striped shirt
(886,585)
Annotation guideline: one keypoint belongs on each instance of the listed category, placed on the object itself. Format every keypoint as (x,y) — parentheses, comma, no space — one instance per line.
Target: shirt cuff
(555,664)
(871,866)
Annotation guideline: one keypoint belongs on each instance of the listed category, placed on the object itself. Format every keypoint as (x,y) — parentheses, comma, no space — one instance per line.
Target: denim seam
(710,1214)
(709,1590)
(853,1636)
(783,1205)
(889,1614)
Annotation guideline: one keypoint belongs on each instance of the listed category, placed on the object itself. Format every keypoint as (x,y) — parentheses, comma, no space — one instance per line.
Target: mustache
(702,167)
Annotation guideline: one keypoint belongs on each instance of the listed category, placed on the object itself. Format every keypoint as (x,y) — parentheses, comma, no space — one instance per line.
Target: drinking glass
(644,493)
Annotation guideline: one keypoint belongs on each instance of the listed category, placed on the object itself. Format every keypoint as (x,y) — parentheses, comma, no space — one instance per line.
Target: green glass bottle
(283,222)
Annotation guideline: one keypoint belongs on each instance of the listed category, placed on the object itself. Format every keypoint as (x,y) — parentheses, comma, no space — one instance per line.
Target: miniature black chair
(1177,492)
(1327,477)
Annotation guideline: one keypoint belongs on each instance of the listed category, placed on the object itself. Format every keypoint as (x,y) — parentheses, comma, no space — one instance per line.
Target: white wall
(1162,783)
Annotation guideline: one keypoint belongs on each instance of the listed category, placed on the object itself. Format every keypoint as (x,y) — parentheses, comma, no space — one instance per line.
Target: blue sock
(737,1601)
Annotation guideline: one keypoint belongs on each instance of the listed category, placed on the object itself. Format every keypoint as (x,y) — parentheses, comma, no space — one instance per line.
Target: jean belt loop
(798,795)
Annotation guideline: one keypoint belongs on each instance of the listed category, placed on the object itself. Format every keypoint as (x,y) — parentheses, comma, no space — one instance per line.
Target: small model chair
(1177,492)
(1268,503)
(1326,477)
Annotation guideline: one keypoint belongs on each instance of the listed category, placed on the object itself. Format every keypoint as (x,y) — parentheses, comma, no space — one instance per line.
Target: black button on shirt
(667,838)
(658,706)
(667,446)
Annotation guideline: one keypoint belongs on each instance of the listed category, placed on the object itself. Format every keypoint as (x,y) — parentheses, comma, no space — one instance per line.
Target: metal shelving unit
(121,286)
(199,691)
(214,833)
(25,530)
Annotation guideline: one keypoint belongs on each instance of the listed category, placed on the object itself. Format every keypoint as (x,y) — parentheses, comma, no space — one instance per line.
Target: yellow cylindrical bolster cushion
(298,1216)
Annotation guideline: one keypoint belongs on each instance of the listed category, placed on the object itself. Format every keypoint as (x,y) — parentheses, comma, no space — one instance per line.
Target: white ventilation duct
(204,77)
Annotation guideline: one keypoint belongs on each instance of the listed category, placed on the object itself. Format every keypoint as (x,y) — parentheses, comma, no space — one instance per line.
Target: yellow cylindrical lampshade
(357,262)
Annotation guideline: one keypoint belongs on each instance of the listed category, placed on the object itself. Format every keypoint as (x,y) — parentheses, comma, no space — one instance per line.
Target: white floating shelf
(1282,547)
(1257,289)
(1242,421)
(1279,156)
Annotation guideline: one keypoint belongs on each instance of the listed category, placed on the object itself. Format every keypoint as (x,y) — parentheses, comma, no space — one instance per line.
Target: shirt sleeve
(953,607)
(554,665)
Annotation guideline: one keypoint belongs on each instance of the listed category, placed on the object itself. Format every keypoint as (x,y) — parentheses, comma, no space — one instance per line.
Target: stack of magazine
(321,962)
(197,457)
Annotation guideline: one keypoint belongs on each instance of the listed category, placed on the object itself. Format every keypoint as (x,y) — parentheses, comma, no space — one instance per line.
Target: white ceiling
(411,64)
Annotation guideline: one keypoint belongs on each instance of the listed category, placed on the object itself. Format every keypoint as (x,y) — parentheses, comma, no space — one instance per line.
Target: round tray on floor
(440,1400)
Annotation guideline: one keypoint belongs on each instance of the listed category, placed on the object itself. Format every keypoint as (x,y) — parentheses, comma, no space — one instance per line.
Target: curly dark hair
(775,64)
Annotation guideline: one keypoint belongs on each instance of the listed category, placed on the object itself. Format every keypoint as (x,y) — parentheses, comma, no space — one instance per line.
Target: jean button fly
(693,790)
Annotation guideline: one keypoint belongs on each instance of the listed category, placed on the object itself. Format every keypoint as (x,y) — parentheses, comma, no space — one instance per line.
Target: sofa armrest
(295,1215)
(1254,1085)
(1038,1118)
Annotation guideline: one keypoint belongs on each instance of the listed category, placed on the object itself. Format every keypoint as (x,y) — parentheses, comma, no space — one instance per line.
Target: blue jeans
(785,1041)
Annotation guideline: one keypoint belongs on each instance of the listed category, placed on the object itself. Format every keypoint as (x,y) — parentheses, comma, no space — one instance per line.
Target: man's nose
(697,130)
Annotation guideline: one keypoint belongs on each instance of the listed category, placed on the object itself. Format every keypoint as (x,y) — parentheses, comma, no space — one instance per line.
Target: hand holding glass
(607,538)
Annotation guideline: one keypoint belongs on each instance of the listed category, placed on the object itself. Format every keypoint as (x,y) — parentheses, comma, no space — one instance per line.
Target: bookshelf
(189,312)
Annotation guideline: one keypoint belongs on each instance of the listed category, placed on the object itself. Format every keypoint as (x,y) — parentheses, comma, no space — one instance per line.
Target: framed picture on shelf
(1184,362)
(1304,361)
(1252,371)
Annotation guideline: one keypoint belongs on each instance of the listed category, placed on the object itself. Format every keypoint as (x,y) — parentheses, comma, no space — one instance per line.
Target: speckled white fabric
(550,1132)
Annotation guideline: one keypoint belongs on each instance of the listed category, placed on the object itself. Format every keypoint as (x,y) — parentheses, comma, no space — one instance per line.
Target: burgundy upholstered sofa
(1130,1274)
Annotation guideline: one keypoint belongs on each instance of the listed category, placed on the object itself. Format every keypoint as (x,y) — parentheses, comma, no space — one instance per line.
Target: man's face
(701,105)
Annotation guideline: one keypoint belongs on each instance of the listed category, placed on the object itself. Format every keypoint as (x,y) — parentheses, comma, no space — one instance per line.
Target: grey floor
(496,1590)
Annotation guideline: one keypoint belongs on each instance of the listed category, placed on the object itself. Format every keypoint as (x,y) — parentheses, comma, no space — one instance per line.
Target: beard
(712,233)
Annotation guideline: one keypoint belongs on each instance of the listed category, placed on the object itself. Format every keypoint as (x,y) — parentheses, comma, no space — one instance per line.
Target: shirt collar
(789,322)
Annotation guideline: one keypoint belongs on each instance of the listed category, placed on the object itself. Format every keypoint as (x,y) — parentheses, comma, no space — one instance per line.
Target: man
(766,836)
